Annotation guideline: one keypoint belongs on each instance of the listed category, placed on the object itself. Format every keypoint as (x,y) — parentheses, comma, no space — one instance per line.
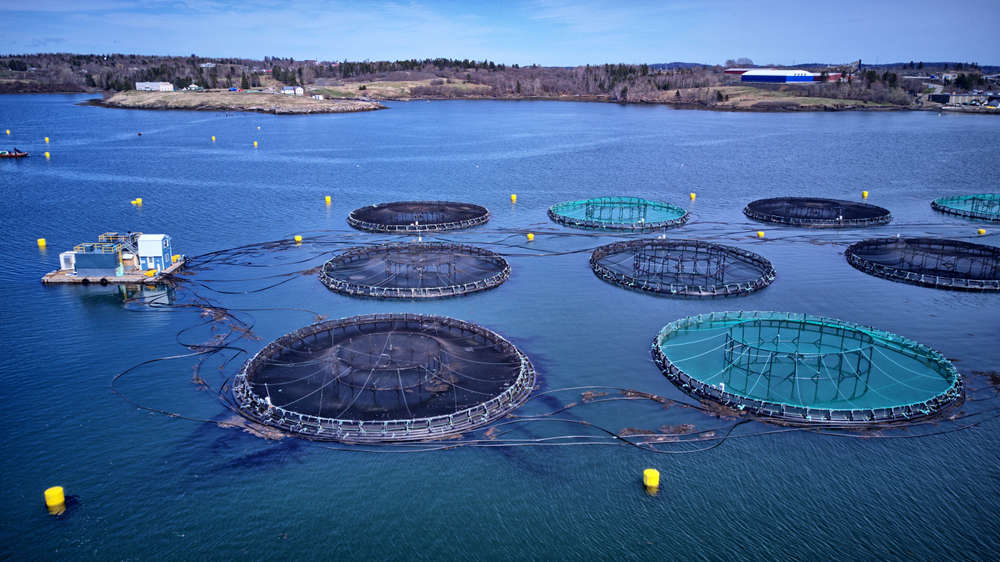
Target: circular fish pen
(985,206)
(929,262)
(384,378)
(805,370)
(628,214)
(418,216)
(419,270)
(689,268)
(816,212)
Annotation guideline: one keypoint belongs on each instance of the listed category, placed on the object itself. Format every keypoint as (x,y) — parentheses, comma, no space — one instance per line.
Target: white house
(292,90)
(154,86)
(317,97)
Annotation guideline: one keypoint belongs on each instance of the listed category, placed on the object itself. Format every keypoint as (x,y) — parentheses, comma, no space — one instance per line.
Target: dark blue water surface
(146,485)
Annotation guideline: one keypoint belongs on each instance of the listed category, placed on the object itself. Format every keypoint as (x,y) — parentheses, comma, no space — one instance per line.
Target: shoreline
(281,104)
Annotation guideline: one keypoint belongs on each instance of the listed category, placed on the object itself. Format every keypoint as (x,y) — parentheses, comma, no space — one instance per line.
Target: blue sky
(546,32)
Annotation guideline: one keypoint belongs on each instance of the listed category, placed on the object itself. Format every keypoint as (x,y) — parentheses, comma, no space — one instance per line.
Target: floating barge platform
(139,277)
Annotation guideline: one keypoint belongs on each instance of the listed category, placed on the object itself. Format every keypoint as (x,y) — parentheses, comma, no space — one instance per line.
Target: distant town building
(317,97)
(785,76)
(154,86)
(207,65)
(292,90)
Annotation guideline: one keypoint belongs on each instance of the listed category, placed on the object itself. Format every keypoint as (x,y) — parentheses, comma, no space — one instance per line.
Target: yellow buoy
(760,234)
(46,140)
(530,237)
(298,239)
(981,232)
(150,273)
(692,196)
(864,194)
(55,497)
(138,201)
(175,258)
(327,199)
(651,477)
(513,198)
(132,201)
(258,128)
(213,139)
(41,242)
(46,154)
(255,144)
(8,131)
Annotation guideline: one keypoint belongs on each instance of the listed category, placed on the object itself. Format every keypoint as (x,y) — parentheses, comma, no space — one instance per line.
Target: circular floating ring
(805,370)
(689,268)
(929,262)
(418,270)
(418,216)
(384,378)
(816,212)
(629,214)
(985,206)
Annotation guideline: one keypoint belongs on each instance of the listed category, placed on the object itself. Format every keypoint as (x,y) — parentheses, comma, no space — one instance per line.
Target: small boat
(16,154)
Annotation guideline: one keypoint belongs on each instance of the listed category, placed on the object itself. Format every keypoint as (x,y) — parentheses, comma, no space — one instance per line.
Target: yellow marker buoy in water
(298,239)
(692,196)
(213,139)
(8,131)
(255,144)
(132,201)
(327,199)
(864,194)
(41,242)
(258,128)
(138,201)
(981,231)
(46,140)
(530,237)
(760,234)
(46,154)
(651,477)
(513,198)
(55,497)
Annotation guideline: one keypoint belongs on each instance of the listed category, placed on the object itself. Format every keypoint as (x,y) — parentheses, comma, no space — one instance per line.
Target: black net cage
(416,270)
(384,378)
(985,206)
(687,268)
(929,262)
(418,216)
(625,214)
(816,212)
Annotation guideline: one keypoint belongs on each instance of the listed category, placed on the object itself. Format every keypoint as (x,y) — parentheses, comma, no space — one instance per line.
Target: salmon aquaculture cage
(417,270)
(689,268)
(985,206)
(816,212)
(803,369)
(628,214)
(929,262)
(384,378)
(418,216)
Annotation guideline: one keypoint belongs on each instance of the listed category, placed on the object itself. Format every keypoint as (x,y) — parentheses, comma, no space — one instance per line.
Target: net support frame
(815,212)
(983,206)
(413,220)
(987,257)
(621,214)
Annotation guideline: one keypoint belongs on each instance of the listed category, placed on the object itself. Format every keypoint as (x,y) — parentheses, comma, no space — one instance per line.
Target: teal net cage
(985,206)
(626,214)
(682,268)
(384,378)
(803,369)
(929,262)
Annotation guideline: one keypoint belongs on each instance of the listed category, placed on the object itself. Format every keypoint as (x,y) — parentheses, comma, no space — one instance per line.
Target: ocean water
(151,474)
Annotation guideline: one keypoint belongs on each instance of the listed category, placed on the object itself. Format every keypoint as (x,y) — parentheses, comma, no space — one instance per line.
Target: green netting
(618,213)
(985,206)
(805,369)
